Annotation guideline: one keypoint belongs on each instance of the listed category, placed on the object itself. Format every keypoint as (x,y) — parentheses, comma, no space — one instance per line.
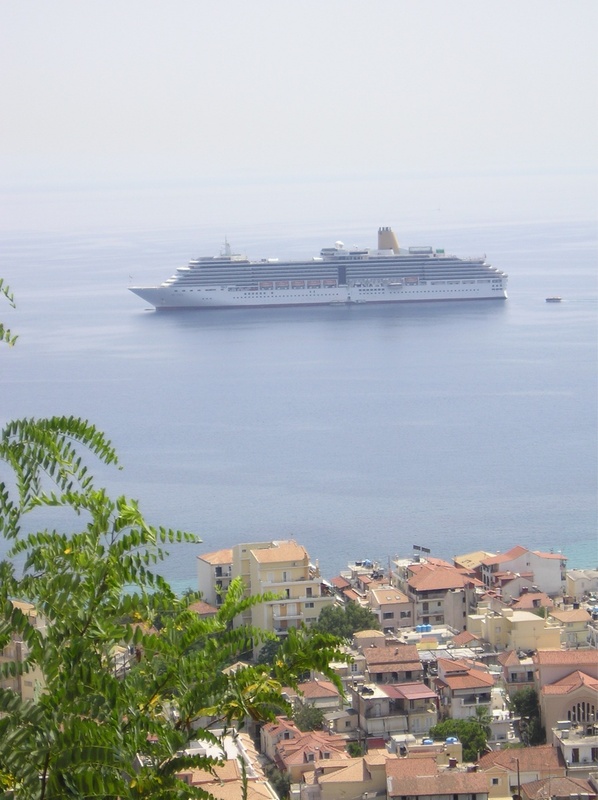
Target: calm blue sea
(357,431)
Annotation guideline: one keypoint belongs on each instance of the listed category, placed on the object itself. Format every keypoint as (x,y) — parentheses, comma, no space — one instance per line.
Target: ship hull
(231,297)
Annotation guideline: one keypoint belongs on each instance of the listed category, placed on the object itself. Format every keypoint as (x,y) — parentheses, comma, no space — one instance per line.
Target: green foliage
(280,781)
(269,651)
(469,732)
(105,725)
(308,718)
(5,335)
(355,749)
(344,621)
(525,704)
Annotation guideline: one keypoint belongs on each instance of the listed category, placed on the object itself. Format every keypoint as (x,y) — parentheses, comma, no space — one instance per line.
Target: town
(499,644)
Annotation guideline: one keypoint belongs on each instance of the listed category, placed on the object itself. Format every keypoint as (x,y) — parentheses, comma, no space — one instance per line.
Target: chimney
(387,240)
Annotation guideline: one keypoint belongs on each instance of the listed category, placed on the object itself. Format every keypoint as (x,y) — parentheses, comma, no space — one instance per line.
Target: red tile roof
(549,788)
(528,759)
(433,577)
(314,689)
(400,654)
(570,683)
(218,557)
(574,658)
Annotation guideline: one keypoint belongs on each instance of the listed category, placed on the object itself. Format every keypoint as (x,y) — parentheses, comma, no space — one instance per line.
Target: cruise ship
(338,276)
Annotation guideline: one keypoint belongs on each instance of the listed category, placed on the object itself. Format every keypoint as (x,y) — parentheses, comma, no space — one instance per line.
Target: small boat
(553,299)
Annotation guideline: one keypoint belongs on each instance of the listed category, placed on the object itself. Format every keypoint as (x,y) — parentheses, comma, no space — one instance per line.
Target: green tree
(308,717)
(5,335)
(344,621)
(280,780)
(483,718)
(525,704)
(469,732)
(97,731)
(355,749)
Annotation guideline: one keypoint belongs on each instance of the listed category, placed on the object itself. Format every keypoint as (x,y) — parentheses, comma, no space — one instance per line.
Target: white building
(547,571)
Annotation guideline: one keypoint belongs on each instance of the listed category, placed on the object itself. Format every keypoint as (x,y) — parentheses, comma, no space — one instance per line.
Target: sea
(360,432)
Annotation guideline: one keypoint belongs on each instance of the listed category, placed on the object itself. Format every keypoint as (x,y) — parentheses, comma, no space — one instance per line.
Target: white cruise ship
(337,276)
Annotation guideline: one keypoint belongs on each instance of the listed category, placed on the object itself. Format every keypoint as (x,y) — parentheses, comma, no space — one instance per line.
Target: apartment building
(283,569)
(440,593)
(547,571)
(214,574)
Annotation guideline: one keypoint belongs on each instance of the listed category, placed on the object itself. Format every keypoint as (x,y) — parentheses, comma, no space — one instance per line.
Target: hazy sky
(149,92)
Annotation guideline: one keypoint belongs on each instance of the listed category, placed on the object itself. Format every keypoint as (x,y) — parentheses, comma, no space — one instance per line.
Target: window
(309,605)
(405,614)
(388,615)
(495,781)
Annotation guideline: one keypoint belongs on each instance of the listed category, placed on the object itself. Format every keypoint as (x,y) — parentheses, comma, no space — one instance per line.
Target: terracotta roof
(395,654)
(575,658)
(410,767)
(560,556)
(557,787)
(218,557)
(508,658)
(351,594)
(408,691)
(449,782)
(296,751)
(314,689)
(532,600)
(528,759)
(432,577)
(280,552)
(203,609)
(570,683)
(463,638)
(459,675)
(475,679)
(340,583)
(575,615)
(514,552)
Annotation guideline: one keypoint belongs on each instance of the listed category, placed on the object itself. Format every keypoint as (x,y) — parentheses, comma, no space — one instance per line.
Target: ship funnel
(387,240)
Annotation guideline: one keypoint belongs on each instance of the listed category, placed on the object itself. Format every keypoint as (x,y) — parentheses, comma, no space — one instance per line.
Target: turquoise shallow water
(357,431)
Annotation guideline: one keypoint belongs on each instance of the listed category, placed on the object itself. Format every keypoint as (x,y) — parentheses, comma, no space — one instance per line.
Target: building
(26,684)
(517,671)
(510,629)
(393,664)
(582,583)
(547,571)
(214,574)
(462,688)
(574,626)
(386,709)
(392,607)
(363,777)
(281,568)
(320,693)
(567,686)
(421,778)
(241,763)
(296,752)
(508,770)
(578,745)
(440,593)
(558,789)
